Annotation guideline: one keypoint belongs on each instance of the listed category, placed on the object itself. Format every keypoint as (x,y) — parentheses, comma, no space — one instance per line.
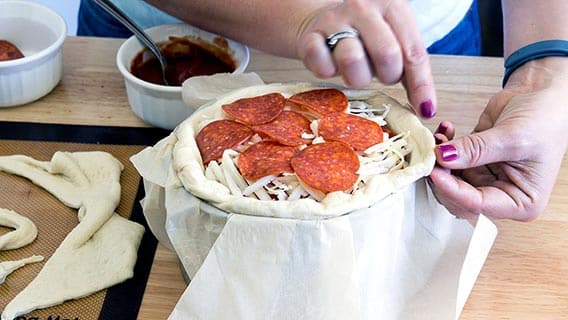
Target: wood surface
(525,276)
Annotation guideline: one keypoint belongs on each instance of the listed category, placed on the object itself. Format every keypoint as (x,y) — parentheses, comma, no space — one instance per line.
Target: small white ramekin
(39,33)
(159,105)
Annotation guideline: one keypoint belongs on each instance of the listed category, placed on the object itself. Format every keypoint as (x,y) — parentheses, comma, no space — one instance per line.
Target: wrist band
(533,51)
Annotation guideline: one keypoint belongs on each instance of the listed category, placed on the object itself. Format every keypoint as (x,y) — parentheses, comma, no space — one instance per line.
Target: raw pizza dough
(189,168)
(7,267)
(101,250)
(24,233)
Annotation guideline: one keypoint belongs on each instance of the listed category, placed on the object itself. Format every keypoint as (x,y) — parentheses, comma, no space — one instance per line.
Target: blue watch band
(533,51)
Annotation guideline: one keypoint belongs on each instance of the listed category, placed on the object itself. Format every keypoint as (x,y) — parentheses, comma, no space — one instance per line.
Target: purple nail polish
(442,128)
(448,152)
(427,109)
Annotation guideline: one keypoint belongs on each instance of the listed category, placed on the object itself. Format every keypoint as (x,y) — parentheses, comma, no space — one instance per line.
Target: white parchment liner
(405,257)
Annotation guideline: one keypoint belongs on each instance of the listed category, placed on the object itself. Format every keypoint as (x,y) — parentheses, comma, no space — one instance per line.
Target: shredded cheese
(235,180)
(257,185)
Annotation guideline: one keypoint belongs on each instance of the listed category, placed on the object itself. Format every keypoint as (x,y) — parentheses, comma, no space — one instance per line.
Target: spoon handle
(113,10)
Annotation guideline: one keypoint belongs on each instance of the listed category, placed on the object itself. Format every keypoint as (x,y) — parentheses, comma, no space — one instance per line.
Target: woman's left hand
(508,166)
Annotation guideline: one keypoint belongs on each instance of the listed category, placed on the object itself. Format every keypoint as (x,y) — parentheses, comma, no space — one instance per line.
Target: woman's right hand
(389,47)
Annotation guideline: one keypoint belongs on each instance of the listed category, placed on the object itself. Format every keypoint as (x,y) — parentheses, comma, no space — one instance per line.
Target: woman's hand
(389,47)
(508,166)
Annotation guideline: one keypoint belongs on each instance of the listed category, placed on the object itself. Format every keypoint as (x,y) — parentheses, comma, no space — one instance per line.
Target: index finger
(417,78)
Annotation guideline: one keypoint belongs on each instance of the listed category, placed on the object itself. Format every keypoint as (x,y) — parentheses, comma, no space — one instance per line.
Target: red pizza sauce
(8,51)
(186,57)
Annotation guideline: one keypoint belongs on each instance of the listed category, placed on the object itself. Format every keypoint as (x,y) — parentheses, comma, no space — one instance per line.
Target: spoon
(138,32)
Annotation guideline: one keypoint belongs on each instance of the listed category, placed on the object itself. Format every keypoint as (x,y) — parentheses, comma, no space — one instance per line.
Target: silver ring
(334,38)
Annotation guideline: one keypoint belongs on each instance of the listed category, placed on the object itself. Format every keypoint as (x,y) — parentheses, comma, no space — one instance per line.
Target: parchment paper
(406,257)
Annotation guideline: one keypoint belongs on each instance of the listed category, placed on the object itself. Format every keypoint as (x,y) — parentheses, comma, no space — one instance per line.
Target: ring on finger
(333,39)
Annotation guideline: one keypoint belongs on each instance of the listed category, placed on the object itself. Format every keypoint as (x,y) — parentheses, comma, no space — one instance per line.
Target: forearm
(529,21)
(272,26)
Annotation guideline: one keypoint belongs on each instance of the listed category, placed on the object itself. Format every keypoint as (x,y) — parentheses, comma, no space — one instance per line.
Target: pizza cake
(299,150)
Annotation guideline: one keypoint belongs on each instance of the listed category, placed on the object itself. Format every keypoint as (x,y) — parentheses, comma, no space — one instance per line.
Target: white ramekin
(159,105)
(39,33)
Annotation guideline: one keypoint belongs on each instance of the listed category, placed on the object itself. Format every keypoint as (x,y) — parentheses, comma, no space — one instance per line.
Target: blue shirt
(464,39)
(92,20)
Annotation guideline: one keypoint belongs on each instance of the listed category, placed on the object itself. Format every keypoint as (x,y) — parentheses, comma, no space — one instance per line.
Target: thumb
(477,149)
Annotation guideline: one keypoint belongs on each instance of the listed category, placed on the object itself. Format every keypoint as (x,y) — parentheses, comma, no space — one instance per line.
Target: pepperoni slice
(286,129)
(329,166)
(358,132)
(265,158)
(256,110)
(220,135)
(8,51)
(321,101)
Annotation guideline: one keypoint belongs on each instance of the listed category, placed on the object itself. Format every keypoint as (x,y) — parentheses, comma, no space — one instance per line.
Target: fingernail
(427,109)
(448,152)
(442,128)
